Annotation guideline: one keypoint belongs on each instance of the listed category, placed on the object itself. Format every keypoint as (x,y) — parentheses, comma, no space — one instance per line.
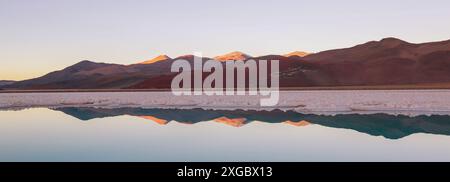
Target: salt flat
(408,102)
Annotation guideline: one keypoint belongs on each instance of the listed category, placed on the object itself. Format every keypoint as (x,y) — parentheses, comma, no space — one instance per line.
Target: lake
(139,134)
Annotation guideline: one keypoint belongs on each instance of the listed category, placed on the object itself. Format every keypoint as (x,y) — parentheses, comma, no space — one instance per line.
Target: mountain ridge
(156,59)
(389,61)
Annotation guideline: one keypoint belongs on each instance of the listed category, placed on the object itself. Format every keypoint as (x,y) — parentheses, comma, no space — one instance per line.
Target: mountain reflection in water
(388,126)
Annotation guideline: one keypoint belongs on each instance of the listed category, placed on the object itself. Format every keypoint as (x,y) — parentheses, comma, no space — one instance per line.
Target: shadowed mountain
(85,74)
(156,59)
(91,75)
(6,82)
(388,126)
(386,62)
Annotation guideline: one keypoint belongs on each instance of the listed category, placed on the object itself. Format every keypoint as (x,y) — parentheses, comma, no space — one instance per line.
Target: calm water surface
(133,134)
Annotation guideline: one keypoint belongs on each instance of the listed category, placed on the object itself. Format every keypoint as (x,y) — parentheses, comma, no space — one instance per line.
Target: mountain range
(386,62)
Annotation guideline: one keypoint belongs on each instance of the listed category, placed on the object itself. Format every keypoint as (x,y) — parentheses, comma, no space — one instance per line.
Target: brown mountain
(389,61)
(91,75)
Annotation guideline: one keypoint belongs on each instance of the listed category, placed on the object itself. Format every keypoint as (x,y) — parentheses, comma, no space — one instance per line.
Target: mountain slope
(387,62)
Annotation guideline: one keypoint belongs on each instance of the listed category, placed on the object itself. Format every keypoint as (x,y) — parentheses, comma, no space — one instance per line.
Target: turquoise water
(135,134)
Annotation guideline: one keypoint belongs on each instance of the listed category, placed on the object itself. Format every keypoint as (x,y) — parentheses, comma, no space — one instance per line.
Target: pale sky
(39,36)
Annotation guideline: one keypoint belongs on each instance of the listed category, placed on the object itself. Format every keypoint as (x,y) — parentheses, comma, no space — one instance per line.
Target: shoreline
(327,102)
(378,87)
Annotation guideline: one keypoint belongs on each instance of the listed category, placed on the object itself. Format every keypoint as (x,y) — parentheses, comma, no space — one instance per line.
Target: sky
(40,36)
